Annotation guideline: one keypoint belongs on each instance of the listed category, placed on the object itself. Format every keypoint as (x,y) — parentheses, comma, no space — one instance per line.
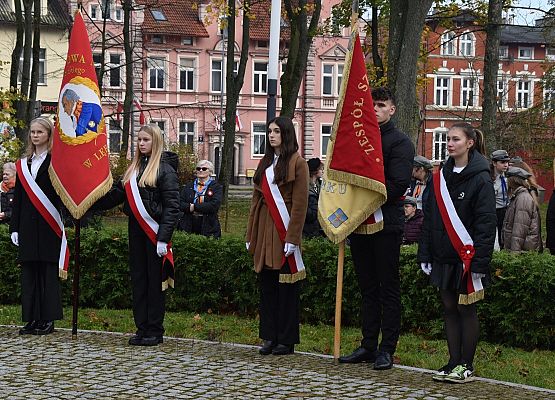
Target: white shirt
(36,162)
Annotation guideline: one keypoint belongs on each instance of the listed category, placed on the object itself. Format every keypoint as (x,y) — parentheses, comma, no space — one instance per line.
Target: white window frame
(157,63)
(442,92)
(525,48)
(325,137)
(550,53)
(255,139)
(222,73)
(549,98)
(190,74)
(439,145)
(187,133)
(503,52)
(111,66)
(448,44)
(42,65)
(334,78)
(502,91)
(259,77)
(116,11)
(466,89)
(187,40)
(164,122)
(467,44)
(158,39)
(524,95)
(95,11)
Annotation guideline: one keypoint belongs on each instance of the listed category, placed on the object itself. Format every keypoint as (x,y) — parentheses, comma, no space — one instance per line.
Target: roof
(260,26)
(181,18)
(525,34)
(57,15)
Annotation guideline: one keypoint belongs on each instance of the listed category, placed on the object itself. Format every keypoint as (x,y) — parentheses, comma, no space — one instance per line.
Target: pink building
(180,75)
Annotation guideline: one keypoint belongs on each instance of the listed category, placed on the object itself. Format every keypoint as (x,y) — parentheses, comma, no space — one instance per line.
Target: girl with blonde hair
(150,183)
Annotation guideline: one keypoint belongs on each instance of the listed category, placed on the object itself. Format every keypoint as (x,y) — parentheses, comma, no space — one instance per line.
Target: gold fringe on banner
(292,278)
(471,298)
(368,229)
(77,211)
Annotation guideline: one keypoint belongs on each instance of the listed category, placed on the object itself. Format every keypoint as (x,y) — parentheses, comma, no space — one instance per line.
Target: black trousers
(376,261)
(500,218)
(41,298)
(279,308)
(149,301)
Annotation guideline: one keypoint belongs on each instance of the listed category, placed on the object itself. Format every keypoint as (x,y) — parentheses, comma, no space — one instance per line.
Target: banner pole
(338,299)
(76,278)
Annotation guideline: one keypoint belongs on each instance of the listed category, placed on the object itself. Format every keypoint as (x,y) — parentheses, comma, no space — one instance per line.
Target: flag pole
(75,289)
(338,300)
(341,253)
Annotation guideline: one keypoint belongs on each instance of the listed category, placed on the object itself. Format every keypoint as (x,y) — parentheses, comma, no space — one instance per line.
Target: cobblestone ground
(102,366)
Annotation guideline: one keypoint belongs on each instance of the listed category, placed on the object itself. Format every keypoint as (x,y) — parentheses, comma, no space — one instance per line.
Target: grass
(535,368)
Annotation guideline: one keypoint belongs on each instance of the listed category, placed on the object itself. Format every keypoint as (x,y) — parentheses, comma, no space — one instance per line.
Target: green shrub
(217,275)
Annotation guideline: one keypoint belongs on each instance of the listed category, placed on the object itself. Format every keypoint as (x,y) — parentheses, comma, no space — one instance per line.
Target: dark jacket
(550,224)
(208,208)
(37,240)
(413,228)
(398,155)
(6,199)
(311,226)
(161,202)
(474,199)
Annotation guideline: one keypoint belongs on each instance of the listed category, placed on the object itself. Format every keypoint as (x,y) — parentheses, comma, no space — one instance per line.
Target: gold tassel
(62,274)
(168,283)
(471,298)
(292,278)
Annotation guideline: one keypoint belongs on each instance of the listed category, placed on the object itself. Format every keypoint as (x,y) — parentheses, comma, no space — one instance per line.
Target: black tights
(461,327)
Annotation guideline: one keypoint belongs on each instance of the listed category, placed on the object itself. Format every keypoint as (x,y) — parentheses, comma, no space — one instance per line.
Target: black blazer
(37,240)
(208,208)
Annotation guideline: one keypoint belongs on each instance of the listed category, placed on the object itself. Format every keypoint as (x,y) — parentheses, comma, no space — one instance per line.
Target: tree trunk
(36,64)
(18,47)
(233,88)
(299,47)
(376,58)
(21,108)
(128,114)
(491,62)
(406,23)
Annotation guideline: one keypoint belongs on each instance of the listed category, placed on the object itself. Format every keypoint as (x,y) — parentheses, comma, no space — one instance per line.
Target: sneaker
(460,374)
(442,373)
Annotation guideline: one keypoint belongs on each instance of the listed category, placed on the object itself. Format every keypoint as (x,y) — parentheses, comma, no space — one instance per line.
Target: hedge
(217,275)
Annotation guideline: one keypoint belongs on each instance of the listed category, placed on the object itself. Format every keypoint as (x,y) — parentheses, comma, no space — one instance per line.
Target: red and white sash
(47,210)
(150,228)
(280,216)
(460,239)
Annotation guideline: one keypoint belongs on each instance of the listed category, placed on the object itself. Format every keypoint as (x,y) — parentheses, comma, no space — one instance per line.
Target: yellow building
(55,26)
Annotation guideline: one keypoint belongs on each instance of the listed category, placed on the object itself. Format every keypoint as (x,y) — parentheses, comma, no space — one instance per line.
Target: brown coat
(265,245)
(521,226)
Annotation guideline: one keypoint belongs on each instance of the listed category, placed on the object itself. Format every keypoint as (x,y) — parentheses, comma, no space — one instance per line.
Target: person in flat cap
(311,226)
(521,228)
(534,186)
(499,165)
(413,221)
(421,180)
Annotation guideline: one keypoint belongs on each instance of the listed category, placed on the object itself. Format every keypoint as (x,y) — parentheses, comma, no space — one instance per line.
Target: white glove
(477,276)
(426,267)
(289,249)
(248,244)
(161,249)
(15,238)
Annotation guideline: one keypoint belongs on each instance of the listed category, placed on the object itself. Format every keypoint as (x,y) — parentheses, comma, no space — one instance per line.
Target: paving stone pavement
(99,365)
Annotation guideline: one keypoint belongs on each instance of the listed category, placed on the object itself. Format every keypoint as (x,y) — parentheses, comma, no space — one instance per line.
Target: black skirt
(449,277)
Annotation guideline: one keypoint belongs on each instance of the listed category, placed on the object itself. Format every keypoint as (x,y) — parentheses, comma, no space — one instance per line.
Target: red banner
(353,188)
(80,168)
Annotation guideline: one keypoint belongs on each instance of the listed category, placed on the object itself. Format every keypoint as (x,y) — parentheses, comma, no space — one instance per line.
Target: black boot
(283,349)
(29,328)
(44,328)
(267,347)
(360,355)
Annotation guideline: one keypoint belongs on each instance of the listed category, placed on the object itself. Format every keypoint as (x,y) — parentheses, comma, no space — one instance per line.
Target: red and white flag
(80,168)
(353,188)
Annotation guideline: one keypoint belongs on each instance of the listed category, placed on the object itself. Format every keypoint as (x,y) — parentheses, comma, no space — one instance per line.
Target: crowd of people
(457,214)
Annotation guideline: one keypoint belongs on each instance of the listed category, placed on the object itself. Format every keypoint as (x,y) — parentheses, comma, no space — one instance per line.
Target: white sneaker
(441,373)
(460,374)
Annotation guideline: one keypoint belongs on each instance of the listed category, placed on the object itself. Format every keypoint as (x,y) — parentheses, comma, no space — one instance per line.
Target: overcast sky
(527,17)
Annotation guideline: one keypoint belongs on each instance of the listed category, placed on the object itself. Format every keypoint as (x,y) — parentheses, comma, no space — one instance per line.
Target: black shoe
(360,355)
(383,361)
(267,347)
(29,328)
(151,340)
(44,328)
(283,349)
(135,340)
